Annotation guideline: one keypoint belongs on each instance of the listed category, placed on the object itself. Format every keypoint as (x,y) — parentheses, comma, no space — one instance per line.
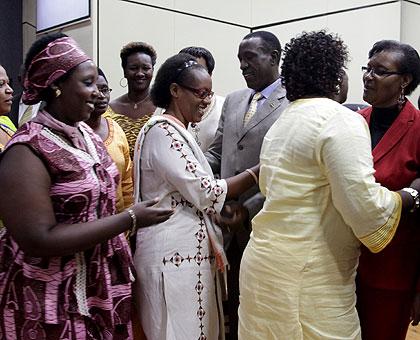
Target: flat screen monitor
(51,14)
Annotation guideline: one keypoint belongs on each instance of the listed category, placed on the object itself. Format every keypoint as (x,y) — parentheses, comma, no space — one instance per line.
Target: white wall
(410,15)
(170,25)
(359,37)
(169,31)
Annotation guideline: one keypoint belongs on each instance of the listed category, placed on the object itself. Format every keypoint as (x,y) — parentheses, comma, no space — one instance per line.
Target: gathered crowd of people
(171,212)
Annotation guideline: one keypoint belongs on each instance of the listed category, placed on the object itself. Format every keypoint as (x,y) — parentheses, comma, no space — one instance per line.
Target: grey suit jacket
(237,147)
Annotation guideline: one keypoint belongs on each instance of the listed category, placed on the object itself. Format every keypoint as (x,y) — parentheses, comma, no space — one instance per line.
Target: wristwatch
(416,198)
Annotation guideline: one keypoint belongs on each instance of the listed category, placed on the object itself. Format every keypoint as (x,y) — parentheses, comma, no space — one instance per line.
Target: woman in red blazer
(388,283)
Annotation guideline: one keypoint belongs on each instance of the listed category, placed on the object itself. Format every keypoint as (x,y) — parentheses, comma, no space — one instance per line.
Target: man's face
(257,63)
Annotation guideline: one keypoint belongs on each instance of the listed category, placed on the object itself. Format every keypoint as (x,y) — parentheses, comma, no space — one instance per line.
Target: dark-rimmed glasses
(378,72)
(199,93)
(104,90)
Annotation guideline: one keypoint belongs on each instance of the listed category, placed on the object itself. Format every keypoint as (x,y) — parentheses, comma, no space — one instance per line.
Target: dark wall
(11,39)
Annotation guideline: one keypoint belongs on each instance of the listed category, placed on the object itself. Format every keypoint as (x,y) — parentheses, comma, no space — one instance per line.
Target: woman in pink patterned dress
(65,266)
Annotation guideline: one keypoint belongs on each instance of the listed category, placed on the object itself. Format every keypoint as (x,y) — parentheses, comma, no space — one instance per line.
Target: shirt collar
(270,88)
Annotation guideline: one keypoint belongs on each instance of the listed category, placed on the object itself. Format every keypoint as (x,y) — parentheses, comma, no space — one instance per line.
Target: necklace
(136,104)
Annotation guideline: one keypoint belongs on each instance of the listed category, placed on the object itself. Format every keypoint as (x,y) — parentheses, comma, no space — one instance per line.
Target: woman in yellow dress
(134,108)
(115,142)
(297,276)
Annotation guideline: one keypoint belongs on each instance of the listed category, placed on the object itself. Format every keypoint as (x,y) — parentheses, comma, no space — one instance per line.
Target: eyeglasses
(199,93)
(104,90)
(378,72)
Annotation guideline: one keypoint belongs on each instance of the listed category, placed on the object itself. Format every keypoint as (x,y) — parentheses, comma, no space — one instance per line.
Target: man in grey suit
(238,141)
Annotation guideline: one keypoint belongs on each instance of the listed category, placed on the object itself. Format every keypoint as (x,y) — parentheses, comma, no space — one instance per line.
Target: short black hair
(176,69)
(409,62)
(201,52)
(271,42)
(137,47)
(313,64)
(101,73)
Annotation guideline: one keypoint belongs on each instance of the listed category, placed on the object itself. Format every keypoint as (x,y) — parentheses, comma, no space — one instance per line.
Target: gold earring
(57,93)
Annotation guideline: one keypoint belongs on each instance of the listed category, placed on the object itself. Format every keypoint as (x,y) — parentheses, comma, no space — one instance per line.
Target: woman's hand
(147,214)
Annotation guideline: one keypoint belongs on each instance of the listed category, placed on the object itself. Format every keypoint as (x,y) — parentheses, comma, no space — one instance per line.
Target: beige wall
(83,31)
(220,26)
(410,15)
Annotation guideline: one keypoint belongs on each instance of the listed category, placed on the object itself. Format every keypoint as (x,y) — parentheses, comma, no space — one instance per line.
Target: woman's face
(382,88)
(102,101)
(139,71)
(6,92)
(344,89)
(194,98)
(78,94)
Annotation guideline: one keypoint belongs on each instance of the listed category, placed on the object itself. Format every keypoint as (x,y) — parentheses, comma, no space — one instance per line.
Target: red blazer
(397,163)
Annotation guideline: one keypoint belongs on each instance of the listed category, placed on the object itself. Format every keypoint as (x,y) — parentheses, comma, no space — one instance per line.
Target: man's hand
(233,217)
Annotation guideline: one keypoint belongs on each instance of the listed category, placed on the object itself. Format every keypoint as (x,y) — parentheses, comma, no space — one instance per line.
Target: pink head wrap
(59,57)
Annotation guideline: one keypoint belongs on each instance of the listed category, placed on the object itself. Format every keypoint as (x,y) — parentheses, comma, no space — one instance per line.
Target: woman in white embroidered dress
(176,260)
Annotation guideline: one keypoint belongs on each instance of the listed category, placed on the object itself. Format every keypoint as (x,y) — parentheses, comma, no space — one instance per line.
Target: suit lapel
(271,104)
(397,131)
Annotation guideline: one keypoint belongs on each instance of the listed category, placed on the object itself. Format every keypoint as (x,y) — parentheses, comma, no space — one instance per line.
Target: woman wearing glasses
(387,282)
(176,262)
(115,142)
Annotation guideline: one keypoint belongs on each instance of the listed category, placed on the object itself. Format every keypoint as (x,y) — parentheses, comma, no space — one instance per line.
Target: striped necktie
(27,115)
(252,107)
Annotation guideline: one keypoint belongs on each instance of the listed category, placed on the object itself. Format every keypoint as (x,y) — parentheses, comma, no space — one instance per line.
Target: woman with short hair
(134,108)
(388,283)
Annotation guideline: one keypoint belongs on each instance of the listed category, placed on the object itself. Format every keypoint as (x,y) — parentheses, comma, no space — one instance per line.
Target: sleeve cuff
(380,238)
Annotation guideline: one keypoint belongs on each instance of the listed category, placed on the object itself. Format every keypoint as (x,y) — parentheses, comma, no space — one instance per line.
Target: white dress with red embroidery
(177,260)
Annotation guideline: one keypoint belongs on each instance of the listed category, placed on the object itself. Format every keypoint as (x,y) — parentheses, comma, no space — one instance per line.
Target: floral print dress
(176,261)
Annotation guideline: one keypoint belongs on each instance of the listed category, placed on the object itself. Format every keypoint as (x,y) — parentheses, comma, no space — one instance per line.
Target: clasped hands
(232,218)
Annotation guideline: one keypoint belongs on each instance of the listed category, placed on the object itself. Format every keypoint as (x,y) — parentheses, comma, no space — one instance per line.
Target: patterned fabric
(130,126)
(117,146)
(82,296)
(300,263)
(70,132)
(176,260)
(59,57)
(252,107)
